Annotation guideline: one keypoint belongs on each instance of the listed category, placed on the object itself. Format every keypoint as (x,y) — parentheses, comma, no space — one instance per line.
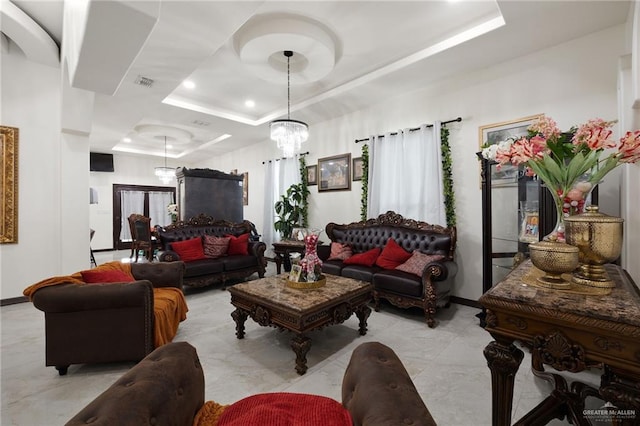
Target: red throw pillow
(238,245)
(368,258)
(392,255)
(418,261)
(96,276)
(282,408)
(215,247)
(189,250)
(340,251)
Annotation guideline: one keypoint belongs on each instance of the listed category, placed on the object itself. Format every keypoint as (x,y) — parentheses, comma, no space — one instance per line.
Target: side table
(283,249)
(568,331)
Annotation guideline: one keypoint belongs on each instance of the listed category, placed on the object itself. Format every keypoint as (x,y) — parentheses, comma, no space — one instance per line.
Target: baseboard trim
(13,300)
(466,302)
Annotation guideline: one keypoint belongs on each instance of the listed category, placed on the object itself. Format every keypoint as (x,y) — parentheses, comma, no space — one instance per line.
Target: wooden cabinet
(210,192)
(512,207)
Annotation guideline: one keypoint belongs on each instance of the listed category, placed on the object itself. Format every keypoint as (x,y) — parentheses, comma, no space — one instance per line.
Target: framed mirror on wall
(9,184)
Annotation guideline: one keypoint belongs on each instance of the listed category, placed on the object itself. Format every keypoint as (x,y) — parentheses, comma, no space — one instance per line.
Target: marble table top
(275,290)
(622,305)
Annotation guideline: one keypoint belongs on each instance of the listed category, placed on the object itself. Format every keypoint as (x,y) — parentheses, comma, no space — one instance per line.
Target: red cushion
(215,247)
(368,258)
(340,251)
(418,261)
(189,250)
(392,255)
(97,276)
(281,408)
(238,245)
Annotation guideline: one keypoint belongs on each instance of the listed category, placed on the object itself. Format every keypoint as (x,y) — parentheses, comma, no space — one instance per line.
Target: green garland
(305,191)
(365,182)
(447,179)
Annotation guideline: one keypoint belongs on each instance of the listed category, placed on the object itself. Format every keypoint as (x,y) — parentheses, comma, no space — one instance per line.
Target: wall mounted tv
(100,162)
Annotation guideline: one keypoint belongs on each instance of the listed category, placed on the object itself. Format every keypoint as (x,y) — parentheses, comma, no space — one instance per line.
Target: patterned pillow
(392,255)
(215,247)
(418,261)
(189,250)
(368,258)
(340,251)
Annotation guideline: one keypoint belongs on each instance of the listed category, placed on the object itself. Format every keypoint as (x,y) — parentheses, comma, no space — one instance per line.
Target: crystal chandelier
(289,134)
(165,174)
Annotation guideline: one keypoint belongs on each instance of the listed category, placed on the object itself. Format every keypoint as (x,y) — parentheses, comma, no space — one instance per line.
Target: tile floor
(446,363)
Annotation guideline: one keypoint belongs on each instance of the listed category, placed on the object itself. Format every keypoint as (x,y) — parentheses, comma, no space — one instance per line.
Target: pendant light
(165,174)
(289,134)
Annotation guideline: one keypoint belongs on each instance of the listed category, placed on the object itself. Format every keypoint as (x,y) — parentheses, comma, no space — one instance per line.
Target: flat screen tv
(100,162)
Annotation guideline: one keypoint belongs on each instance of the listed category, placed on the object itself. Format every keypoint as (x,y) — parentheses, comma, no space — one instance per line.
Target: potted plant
(291,210)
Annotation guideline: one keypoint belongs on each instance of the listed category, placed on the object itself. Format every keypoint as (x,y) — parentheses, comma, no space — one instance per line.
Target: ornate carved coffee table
(271,303)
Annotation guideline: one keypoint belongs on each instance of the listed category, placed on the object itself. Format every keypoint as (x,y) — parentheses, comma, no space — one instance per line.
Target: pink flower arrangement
(569,163)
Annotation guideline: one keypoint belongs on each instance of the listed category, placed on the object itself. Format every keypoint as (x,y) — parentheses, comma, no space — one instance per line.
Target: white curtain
(158,202)
(131,202)
(278,177)
(405,175)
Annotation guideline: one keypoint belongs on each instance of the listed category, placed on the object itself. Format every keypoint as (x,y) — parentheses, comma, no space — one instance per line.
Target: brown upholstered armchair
(167,388)
(96,323)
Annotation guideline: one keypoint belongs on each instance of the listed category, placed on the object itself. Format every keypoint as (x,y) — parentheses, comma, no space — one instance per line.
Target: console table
(571,332)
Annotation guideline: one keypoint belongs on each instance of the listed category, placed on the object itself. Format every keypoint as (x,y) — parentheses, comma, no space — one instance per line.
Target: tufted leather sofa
(200,273)
(167,388)
(402,289)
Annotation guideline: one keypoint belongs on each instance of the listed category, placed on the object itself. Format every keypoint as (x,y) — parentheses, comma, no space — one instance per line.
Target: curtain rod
(284,158)
(415,128)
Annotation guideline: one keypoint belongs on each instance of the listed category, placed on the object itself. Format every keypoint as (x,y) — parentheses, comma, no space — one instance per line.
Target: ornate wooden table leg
(301,345)
(363,313)
(503,359)
(239,316)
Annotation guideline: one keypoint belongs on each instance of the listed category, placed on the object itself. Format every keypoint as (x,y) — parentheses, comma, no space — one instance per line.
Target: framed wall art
(334,173)
(312,175)
(9,184)
(357,168)
(492,134)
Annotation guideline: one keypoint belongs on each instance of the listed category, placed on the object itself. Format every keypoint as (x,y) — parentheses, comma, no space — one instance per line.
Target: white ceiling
(357,52)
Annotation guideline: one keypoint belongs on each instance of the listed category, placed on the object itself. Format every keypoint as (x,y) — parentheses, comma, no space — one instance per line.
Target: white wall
(566,82)
(52,222)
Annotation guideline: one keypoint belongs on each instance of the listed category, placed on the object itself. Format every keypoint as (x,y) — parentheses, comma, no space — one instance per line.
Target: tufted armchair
(167,388)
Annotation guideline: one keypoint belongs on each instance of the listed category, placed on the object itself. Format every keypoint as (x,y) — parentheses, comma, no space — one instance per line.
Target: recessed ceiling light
(249,103)
(126,140)
(189,84)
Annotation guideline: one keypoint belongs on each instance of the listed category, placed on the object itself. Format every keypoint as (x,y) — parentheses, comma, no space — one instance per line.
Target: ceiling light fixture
(165,174)
(289,134)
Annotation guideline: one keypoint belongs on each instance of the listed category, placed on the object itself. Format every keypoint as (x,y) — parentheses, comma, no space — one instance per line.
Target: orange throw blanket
(169,305)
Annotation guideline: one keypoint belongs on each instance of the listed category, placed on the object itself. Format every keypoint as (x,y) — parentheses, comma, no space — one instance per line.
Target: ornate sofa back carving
(408,233)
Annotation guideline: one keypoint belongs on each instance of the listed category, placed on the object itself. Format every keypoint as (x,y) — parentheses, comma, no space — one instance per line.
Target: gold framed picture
(492,134)
(9,184)
(312,175)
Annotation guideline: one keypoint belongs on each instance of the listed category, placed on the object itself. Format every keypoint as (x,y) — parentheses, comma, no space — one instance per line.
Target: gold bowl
(554,259)
(305,285)
(599,240)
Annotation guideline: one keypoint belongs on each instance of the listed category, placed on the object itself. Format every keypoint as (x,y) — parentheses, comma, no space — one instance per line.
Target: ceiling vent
(144,81)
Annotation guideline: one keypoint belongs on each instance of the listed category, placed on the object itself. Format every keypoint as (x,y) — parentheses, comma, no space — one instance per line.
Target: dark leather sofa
(97,323)
(167,388)
(402,289)
(204,272)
